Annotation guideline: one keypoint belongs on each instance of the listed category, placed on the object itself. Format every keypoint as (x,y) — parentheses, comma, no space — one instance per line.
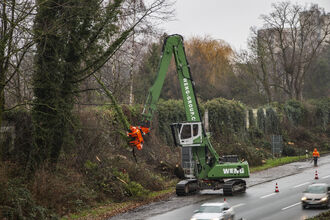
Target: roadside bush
(242,150)
(255,134)
(168,112)
(272,124)
(302,134)
(266,145)
(111,181)
(322,113)
(62,191)
(101,178)
(146,178)
(20,119)
(322,216)
(295,112)
(289,151)
(140,173)
(261,119)
(132,188)
(252,121)
(227,117)
(16,201)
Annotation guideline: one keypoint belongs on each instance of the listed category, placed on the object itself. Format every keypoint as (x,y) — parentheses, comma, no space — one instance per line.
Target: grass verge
(277,162)
(107,210)
(281,161)
(322,216)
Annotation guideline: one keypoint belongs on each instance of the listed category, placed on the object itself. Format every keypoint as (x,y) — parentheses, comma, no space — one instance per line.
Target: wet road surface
(259,202)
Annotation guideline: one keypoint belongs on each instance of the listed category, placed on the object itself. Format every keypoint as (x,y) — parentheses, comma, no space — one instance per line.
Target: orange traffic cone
(276,188)
(224,200)
(316,175)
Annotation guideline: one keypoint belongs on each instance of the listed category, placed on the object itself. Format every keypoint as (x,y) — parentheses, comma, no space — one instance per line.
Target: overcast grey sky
(229,20)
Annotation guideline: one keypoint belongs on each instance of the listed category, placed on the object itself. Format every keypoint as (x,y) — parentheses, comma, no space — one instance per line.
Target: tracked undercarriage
(191,186)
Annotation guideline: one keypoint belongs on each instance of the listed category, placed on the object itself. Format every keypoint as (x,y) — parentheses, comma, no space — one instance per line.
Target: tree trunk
(2,86)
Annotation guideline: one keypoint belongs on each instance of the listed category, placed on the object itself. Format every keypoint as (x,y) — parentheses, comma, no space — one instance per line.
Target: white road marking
(238,205)
(262,197)
(301,184)
(326,177)
(290,206)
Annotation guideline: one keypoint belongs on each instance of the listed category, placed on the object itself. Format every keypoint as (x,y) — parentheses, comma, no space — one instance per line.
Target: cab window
(186,132)
(195,129)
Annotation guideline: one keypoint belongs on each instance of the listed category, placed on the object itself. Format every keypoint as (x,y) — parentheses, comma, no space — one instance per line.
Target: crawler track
(186,187)
(234,186)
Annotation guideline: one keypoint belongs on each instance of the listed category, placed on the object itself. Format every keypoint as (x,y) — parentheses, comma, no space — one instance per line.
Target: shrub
(63,190)
(272,124)
(322,113)
(252,121)
(168,112)
(16,201)
(295,112)
(288,151)
(255,134)
(20,119)
(302,134)
(139,173)
(261,119)
(226,117)
(112,180)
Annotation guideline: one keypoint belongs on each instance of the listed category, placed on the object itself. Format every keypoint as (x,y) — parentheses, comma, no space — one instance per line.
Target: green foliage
(62,191)
(16,203)
(275,162)
(136,190)
(64,60)
(20,120)
(255,133)
(226,116)
(168,112)
(107,179)
(322,216)
(295,112)
(102,178)
(322,113)
(252,121)
(272,124)
(261,119)
(288,151)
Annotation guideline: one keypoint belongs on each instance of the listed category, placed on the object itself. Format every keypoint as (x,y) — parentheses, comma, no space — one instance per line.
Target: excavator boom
(202,165)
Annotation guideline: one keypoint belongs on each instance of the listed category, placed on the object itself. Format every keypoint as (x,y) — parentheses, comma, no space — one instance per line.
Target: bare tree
(282,51)
(15,43)
(119,72)
(138,38)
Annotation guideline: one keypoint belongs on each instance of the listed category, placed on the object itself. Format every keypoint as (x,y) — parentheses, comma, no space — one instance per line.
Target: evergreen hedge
(261,119)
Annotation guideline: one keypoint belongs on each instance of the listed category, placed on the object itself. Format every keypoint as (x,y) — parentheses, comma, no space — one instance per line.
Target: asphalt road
(259,202)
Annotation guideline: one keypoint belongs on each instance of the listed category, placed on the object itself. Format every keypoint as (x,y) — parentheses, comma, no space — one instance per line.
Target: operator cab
(187,133)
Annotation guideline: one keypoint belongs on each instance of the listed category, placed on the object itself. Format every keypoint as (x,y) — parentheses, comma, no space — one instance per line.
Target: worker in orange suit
(136,136)
(316,155)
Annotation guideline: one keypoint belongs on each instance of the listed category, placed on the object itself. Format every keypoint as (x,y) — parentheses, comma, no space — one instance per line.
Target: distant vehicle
(316,195)
(214,211)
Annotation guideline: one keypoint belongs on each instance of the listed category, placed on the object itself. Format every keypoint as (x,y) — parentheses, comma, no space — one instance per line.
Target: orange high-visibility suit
(316,153)
(136,135)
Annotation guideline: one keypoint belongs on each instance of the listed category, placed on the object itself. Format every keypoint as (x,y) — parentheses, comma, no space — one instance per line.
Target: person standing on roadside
(316,155)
